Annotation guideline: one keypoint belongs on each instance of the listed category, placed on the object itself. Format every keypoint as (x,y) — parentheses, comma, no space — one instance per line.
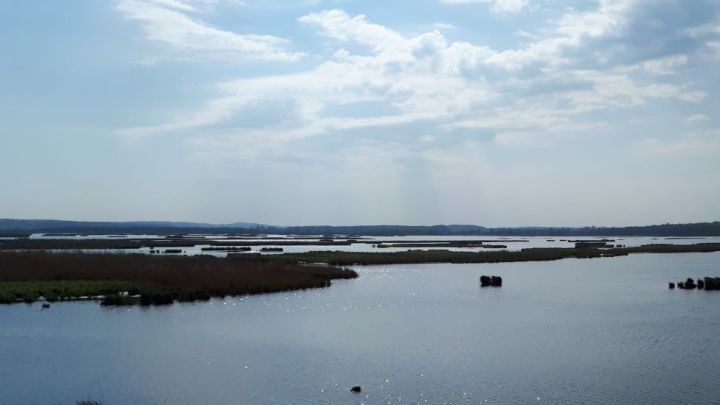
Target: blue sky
(492,112)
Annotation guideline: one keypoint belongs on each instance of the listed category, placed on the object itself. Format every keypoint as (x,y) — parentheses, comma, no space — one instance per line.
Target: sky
(339,112)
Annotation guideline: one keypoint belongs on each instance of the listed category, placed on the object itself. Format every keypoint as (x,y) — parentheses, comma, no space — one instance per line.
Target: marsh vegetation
(447,256)
(127,279)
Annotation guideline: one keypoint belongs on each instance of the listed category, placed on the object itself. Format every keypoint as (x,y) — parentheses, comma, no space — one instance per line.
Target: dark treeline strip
(45,244)
(174,228)
(445,256)
(459,241)
(695,229)
(79,244)
(476,244)
(670,248)
(17,234)
(158,279)
(126,227)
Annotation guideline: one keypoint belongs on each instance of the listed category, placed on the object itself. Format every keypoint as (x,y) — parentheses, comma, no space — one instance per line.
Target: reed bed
(447,256)
(151,279)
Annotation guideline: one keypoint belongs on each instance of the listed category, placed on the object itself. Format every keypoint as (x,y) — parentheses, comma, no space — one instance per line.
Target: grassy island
(447,256)
(143,279)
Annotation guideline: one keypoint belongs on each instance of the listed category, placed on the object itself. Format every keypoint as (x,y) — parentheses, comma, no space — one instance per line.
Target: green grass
(29,291)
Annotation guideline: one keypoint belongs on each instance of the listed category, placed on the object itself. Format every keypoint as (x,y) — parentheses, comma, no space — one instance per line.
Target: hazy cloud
(697,119)
(445,84)
(498,6)
(167,21)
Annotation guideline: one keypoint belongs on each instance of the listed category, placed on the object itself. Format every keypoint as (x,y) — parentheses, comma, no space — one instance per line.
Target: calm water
(572,331)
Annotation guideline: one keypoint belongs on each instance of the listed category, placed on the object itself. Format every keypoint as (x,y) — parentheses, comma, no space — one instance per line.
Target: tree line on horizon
(14,227)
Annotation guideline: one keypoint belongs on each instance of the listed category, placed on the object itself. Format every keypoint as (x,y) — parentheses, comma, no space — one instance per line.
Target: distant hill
(24,226)
(680,230)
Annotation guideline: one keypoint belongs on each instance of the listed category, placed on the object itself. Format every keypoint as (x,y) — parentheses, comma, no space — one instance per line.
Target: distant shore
(25,226)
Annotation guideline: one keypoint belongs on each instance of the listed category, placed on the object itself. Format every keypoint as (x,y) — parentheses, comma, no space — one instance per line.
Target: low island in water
(123,279)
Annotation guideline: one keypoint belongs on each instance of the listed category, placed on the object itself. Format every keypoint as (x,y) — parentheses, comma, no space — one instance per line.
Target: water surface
(572,331)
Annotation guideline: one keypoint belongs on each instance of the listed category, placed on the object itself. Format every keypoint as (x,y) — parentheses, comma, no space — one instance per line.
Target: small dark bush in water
(490,281)
(706,283)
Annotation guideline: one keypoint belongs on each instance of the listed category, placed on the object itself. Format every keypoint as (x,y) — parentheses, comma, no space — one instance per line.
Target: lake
(572,331)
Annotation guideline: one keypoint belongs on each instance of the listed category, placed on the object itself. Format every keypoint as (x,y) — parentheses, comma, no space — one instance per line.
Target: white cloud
(509,6)
(443,26)
(592,90)
(338,24)
(195,5)
(665,66)
(697,119)
(609,19)
(174,4)
(694,144)
(536,90)
(498,6)
(712,28)
(416,87)
(713,49)
(166,21)
(618,89)
(571,31)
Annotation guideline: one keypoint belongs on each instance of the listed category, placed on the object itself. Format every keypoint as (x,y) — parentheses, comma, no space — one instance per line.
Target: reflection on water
(570,331)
